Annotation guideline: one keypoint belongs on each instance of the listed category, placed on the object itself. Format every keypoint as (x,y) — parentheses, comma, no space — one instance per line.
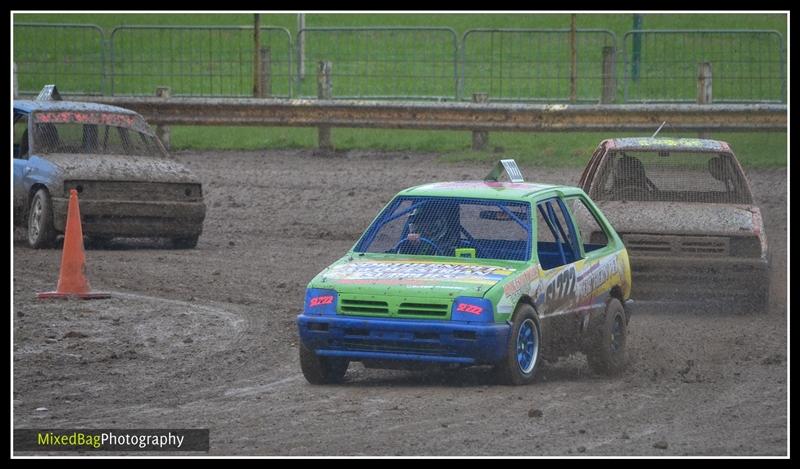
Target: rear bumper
(134,219)
(361,339)
(708,278)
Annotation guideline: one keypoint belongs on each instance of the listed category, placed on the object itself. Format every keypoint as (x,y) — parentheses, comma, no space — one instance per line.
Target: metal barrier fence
(403,63)
(382,62)
(506,117)
(198,60)
(748,65)
(535,64)
(74,54)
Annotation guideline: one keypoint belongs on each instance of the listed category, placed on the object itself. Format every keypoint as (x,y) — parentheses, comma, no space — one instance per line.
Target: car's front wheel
(522,357)
(41,233)
(321,370)
(607,352)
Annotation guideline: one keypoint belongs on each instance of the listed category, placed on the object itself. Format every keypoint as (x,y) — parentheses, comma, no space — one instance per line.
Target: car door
(20,157)
(598,264)
(557,252)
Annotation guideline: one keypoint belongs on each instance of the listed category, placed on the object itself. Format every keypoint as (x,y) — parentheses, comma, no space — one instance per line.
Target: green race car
(473,273)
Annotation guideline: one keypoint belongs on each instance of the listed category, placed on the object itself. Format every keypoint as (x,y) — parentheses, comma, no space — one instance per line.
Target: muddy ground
(206,338)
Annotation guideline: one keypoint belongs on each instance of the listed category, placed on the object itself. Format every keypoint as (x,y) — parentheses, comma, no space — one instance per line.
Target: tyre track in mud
(704,384)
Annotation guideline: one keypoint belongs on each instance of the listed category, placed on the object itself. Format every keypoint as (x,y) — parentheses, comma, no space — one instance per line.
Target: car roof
(667,144)
(29,106)
(520,191)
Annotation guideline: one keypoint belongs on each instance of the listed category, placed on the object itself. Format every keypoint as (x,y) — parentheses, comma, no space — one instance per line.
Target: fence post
(256,55)
(324,91)
(638,21)
(265,75)
(480,138)
(573,69)
(162,131)
(609,93)
(301,47)
(704,87)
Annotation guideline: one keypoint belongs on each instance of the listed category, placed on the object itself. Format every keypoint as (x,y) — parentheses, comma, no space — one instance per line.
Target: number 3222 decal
(561,290)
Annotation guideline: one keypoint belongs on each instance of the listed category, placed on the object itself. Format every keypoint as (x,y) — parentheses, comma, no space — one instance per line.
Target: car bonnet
(120,168)
(413,277)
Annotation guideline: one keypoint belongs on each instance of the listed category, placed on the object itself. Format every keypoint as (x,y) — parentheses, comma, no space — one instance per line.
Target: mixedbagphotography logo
(147,439)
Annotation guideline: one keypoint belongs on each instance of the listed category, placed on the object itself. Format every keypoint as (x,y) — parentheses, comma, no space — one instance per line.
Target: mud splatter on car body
(128,184)
(467,273)
(685,210)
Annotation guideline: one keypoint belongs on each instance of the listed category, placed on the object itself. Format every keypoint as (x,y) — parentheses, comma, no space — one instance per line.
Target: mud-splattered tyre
(321,370)
(41,233)
(607,355)
(523,351)
(185,242)
(764,296)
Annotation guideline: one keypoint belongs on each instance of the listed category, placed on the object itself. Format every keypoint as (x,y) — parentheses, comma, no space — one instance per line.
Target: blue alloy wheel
(527,346)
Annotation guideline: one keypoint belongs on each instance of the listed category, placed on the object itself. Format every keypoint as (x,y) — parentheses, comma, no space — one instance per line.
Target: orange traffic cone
(72,282)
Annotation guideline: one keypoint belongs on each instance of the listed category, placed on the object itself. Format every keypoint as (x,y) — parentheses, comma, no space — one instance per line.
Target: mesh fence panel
(671,177)
(419,63)
(533,65)
(401,63)
(444,226)
(746,65)
(72,56)
(196,61)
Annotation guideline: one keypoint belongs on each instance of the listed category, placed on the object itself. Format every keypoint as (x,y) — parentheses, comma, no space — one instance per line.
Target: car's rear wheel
(41,233)
(321,370)
(522,355)
(607,354)
(186,242)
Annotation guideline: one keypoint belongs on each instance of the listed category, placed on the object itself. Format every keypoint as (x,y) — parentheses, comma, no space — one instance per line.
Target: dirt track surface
(206,338)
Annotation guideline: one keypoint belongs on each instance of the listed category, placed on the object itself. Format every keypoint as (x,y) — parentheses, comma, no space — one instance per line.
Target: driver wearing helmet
(629,177)
(433,229)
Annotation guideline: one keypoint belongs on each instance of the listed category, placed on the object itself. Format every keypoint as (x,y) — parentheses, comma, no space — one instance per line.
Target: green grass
(194,73)
(556,149)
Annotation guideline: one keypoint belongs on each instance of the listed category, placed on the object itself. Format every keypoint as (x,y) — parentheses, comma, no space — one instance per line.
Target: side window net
(556,240)
(592,234)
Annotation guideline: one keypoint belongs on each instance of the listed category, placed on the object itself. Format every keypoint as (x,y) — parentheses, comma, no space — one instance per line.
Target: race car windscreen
(671,176)
(452,227)
(92,133)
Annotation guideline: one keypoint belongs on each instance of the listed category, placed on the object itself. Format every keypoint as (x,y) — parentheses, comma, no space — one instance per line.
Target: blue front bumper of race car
(363,339)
